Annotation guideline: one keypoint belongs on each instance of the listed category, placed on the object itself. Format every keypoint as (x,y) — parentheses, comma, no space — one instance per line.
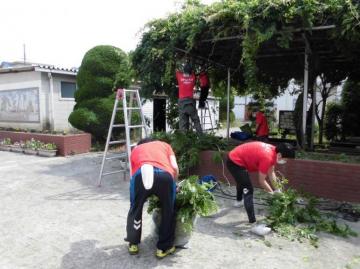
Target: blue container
(209,179)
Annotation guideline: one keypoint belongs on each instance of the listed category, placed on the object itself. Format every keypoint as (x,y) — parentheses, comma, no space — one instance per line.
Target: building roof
(13,67)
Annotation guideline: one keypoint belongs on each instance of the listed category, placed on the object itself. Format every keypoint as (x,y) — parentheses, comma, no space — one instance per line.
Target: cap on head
(286,150)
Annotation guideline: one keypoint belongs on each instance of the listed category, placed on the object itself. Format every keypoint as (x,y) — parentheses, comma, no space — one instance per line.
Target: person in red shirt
(255,157)
(204,86)
(154,171)
(187,105)
(262,128)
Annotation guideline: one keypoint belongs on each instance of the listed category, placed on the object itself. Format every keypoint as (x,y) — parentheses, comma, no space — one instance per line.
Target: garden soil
(52,215)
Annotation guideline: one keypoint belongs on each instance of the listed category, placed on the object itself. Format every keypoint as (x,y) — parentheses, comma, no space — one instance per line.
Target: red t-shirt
(254,156)
(263,128)
(155,153)
(204,80)
(186,84)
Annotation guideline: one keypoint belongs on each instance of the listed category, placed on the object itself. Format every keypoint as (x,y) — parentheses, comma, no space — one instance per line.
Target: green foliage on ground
(103,69)
(296,217)
(193,199)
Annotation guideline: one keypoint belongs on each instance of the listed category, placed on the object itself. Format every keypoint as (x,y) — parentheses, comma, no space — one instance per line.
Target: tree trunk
(321,122)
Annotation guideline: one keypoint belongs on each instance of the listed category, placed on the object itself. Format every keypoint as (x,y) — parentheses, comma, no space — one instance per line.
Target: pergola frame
(302,45)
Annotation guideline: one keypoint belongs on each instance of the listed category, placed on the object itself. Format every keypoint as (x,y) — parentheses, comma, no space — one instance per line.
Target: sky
(61,32)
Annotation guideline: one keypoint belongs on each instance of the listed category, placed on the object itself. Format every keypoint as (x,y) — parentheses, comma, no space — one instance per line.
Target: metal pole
(313,119)
(228,106)
(306,85)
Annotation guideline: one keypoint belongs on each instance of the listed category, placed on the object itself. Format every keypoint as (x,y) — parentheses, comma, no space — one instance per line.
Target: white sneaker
(239,203)
(260,229)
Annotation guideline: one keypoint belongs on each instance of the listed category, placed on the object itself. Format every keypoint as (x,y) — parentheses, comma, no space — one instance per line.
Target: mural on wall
(21,105)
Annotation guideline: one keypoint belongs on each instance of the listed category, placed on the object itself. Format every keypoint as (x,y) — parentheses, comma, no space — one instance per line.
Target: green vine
(256,22)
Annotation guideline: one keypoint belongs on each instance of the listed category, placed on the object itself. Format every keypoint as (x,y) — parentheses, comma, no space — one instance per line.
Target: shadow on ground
(85,170)
(86,254)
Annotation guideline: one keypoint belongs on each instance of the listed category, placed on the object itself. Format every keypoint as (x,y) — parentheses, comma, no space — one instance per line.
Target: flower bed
(66,144)
(333,180)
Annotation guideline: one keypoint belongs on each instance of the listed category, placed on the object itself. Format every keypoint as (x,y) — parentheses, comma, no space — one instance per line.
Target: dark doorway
(159,115)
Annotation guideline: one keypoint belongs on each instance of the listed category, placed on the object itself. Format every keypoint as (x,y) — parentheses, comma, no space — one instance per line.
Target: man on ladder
(187,104)
(204,86)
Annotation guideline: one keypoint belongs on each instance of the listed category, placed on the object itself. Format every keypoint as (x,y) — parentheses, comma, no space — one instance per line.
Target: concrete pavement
(52,215)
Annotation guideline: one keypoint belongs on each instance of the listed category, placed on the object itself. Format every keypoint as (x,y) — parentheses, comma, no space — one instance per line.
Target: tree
(326,84)
(333,122)
(103,69)
(351,109)
(260,41)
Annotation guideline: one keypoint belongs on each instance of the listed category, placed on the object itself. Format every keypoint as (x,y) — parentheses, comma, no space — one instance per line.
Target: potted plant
(18,146)
(47,149)
(192,200)
(31,147)
(5,144)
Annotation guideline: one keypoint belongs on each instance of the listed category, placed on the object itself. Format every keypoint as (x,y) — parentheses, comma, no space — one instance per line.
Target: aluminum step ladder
(205,115)
(132,96)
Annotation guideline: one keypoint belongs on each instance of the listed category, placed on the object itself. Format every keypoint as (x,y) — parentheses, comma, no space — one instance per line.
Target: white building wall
(24,80)
(147,109)
(62,106)
(286,101)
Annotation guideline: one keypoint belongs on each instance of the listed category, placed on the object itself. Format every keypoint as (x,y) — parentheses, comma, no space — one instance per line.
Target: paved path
(53,216)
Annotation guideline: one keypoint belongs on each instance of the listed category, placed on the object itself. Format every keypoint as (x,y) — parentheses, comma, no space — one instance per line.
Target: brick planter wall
(334,180)
(66,144)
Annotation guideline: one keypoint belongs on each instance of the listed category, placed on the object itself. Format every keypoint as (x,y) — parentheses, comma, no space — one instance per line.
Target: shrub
(333,121)
(5,141)
(351,109)
(48,146)
(103,69)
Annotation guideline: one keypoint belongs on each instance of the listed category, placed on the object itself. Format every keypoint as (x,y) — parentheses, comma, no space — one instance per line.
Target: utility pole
(24,51)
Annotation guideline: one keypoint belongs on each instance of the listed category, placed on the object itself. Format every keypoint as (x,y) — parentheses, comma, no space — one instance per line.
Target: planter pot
(47,152)
(17,149)
(5,147)
(30,151)
(182,237)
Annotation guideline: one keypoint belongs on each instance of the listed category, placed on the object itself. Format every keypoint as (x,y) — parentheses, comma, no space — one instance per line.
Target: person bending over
(154,171)
(255,157)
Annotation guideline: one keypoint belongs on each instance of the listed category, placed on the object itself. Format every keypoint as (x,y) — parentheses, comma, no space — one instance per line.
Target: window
(68,89)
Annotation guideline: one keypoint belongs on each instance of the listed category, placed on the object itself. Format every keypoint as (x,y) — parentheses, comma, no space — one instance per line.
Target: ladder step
(133,108)
(117,142)
(118,156)
(136,126)
(118,125)
(113,172)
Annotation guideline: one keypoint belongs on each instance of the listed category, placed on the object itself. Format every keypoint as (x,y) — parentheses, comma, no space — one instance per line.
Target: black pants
(164,187)
(203,96)
(244,188)
(263,138)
